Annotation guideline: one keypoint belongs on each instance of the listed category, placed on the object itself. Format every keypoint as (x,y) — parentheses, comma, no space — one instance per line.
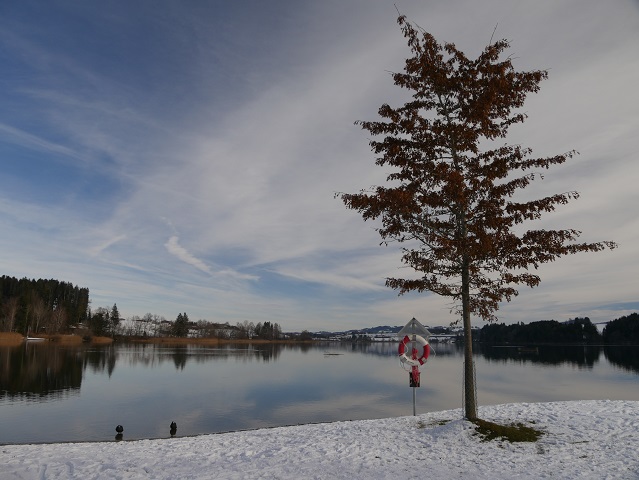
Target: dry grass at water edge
(13,338)
(77,339)
(209,341)
(10,338)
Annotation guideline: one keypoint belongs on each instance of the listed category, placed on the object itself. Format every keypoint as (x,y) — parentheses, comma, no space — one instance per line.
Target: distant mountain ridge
(362,331)
(384,329)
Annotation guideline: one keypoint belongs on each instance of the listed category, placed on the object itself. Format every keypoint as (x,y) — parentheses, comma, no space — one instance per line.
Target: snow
(583,439)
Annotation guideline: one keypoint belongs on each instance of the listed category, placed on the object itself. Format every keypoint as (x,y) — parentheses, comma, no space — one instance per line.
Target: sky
(184,156)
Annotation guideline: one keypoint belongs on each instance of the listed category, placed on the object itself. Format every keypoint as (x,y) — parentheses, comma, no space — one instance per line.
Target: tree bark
(470,400)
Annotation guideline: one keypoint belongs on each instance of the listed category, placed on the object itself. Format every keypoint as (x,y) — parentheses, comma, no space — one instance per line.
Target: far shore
(204,341)
(13,338)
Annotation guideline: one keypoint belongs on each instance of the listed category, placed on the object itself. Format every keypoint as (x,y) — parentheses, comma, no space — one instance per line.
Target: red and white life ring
(414,362)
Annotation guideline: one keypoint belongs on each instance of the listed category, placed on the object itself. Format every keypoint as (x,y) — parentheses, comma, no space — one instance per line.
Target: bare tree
(57,321)
(10,310)
(451,196)
(40,312)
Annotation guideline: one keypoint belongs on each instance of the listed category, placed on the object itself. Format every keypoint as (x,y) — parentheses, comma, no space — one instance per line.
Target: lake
(59,393)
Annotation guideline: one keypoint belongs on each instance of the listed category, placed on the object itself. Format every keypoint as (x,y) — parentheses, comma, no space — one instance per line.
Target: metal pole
(414,396)
(413,345)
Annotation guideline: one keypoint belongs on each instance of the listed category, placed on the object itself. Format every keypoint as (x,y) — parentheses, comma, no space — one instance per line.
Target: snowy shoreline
(583,439)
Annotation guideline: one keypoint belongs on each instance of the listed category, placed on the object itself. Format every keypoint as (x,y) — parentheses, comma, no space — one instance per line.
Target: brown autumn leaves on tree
(451,197)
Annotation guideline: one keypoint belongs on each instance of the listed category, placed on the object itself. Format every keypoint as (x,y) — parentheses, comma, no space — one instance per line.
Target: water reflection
(204,389)
(48,371)
(152,355)
(104,359)
(199,354)
(580,356)
(39,372)
(97,360)
(585,356)
(623,356)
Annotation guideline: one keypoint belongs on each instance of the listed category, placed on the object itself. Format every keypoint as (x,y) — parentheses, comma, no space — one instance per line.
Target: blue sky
(183,156)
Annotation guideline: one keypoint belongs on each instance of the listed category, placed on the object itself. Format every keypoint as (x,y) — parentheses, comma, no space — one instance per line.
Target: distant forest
(624,330)
(54,307)
(40,305)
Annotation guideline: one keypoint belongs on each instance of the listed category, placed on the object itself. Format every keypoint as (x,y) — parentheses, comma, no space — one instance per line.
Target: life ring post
(413,358)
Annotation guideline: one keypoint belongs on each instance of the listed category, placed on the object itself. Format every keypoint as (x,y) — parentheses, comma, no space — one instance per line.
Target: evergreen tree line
(248,330)
(52,306)
(104,322)
(623,330)
(35,306)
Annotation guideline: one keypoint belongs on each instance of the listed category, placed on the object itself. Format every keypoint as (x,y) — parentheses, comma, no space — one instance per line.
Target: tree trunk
(470,400)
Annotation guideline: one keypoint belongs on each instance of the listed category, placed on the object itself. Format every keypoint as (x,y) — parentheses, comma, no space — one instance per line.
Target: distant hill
(383,329)
(359,331)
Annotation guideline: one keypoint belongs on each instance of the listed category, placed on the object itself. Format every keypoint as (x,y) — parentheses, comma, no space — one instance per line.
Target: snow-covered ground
(583,439)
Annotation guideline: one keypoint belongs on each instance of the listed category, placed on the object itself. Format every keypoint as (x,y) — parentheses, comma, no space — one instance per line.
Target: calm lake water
(57,393)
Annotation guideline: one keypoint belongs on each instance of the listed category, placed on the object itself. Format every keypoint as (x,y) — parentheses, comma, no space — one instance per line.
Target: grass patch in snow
(517,432)
(422,424)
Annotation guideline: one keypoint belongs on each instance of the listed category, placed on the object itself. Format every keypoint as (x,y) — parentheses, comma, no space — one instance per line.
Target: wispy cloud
(103,246)
(174,248)
(198,167)
(34,142)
